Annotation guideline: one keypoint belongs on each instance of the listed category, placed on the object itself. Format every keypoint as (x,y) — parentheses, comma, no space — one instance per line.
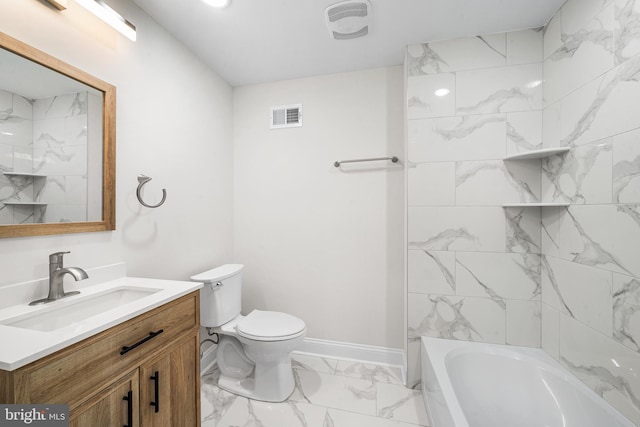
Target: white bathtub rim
(441,350)
(437,350)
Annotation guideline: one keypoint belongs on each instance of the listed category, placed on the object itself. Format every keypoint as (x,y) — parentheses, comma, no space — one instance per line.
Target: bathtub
(467,384)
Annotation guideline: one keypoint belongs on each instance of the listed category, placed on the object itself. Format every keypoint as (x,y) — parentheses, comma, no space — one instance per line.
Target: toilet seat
(270,326)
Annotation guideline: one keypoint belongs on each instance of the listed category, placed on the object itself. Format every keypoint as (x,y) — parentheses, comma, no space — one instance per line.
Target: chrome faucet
(56,276)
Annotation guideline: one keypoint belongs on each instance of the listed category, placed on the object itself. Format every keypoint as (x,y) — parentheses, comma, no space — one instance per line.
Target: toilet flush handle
(213,286)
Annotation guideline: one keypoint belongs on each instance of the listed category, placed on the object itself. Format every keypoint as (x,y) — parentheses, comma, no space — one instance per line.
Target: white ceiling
(255,41)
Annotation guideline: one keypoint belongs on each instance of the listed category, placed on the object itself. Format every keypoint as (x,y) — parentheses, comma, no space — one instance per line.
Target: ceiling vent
(286,116)
(348,19)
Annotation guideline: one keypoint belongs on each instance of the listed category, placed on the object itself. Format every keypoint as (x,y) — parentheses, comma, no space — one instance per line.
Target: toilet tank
(220,298)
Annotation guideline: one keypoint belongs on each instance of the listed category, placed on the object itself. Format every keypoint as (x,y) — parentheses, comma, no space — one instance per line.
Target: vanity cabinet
(143,372)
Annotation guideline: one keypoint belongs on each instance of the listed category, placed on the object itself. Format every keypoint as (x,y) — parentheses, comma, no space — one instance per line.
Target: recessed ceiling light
(534,84)
(220,4)
(442,92)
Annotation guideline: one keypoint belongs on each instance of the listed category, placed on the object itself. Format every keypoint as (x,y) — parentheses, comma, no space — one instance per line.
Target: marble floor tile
(335,391)
(336,418)
(245,412)
(329,393)
(396,402)
(313,363)
(370,372)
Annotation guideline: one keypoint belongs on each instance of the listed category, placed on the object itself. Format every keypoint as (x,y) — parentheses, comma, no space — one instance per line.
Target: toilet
(254,351)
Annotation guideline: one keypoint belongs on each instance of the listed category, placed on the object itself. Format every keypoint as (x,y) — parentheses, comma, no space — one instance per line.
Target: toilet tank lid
(217,274)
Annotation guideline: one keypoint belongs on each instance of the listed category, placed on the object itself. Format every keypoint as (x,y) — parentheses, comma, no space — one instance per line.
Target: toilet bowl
(254,351)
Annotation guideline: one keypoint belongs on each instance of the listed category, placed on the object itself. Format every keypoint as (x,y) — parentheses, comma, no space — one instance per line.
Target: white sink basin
(75,309)
(33,332)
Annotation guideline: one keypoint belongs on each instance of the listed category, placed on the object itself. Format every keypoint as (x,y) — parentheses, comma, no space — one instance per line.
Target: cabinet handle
(142,341)
(156,385)
(129,399)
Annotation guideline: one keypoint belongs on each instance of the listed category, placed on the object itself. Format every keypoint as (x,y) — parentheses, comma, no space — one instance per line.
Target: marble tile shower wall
(47,137)
(563,278)
(591,250)
(16,153)
(474,266)
(60,151)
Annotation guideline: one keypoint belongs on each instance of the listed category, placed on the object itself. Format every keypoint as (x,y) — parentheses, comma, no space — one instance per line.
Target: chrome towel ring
(142,180)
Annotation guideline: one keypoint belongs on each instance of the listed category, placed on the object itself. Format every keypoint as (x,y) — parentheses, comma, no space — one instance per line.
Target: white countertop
(20,346)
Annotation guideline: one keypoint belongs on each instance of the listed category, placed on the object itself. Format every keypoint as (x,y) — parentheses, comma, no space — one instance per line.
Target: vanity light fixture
(58,4)
(110,16)
(220,4)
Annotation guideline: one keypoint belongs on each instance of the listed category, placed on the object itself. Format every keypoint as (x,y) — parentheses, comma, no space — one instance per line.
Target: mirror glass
(56,145)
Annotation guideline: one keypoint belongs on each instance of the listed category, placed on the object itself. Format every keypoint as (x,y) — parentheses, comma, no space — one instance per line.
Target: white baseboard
(335,350)
(357,352)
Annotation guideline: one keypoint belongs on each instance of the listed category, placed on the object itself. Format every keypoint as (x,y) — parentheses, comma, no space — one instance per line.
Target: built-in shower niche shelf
(10,203)
(534,205)
(538,154)
(32,175)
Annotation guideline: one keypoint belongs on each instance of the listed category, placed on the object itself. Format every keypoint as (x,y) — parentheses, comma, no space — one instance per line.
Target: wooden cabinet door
(185,383)
(115,406)
(170,387)
(155,392)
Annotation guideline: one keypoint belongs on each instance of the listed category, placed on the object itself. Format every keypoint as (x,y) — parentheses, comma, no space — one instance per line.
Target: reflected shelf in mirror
(34,175)
(9,202)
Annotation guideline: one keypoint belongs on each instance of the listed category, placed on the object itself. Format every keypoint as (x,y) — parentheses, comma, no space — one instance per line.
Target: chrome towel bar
(337,163)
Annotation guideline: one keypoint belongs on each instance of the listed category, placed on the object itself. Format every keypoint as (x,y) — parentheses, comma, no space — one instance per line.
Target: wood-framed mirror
(57,145)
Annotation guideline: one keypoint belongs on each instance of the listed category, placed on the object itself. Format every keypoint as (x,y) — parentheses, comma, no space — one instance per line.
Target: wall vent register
(286,116)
